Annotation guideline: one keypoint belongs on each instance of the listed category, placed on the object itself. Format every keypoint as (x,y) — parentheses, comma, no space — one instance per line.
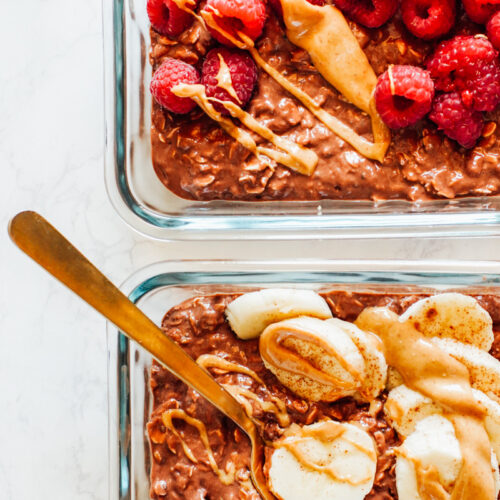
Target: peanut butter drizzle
(224,80)
(368,149)
(209,14)
(429,370)
(331,22)
(187,6)
(321,58)
(324,33)
(305,160)
(167,418)
(292,155)
(275,354)
(275,405)
(213,361)
(326,432)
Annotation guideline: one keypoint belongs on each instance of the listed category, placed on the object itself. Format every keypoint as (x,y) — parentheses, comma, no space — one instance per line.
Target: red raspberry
(459,58)
(276,5)
(428,19)
(167,18)
(404,95)
(243,76)
(369,13)
(493,30)
(480,10)
(482,90)
(172,72)
(247,16)
(457,121)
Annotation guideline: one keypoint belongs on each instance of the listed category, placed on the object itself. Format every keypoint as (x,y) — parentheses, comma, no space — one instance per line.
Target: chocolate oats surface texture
(338,109)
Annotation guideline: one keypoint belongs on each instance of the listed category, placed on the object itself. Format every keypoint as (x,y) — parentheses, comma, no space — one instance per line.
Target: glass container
(157,288)
(147,206)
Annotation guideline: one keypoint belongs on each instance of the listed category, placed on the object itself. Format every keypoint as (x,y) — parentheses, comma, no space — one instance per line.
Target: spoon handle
(46,246)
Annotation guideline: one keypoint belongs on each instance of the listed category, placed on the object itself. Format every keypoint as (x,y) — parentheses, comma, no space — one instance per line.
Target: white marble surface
(53,427)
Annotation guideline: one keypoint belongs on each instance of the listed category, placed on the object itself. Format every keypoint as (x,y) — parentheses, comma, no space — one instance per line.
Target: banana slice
(452,315)
(431,451)
(433,444)
(492,420)
(323,461)
(313,358)
(370,348)
(484,369)
(405,408)
(249,314)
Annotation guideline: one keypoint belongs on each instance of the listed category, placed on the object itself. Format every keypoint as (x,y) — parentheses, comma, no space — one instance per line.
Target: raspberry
(369,13)
(459,58)
(428,19)
(482,90)
(480,11)
(457,121)
(404,95)
(247,16)
(276,5)
(493,30)
(243,76)
(172,72)
(167,18)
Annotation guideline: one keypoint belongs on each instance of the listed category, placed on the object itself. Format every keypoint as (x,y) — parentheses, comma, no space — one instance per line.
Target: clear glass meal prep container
(158,287)
(146,205)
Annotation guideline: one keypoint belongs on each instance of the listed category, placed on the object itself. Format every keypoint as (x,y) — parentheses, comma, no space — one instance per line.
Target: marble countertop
(53,432)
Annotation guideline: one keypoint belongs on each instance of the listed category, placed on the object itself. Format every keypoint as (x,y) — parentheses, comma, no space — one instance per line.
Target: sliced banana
(313,358)
(433,444)
(484,369)
(452,315)
(251,313)
(492,419)
(370,347)
(314,464)
(431,451)
(405,408)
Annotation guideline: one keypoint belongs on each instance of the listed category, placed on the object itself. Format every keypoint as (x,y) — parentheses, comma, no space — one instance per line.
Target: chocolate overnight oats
(347,390)
(364,101)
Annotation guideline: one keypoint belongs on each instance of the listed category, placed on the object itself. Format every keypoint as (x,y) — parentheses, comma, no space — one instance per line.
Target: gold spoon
(46,246)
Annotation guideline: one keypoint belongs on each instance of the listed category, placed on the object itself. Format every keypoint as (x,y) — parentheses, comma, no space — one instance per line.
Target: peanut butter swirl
(212,361)
(242,394)
(289,153)
(429,370)
(226,477)
(274,405)
(324,33)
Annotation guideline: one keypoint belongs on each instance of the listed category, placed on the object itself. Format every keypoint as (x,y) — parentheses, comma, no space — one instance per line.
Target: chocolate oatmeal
(199,326)
(197,160)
